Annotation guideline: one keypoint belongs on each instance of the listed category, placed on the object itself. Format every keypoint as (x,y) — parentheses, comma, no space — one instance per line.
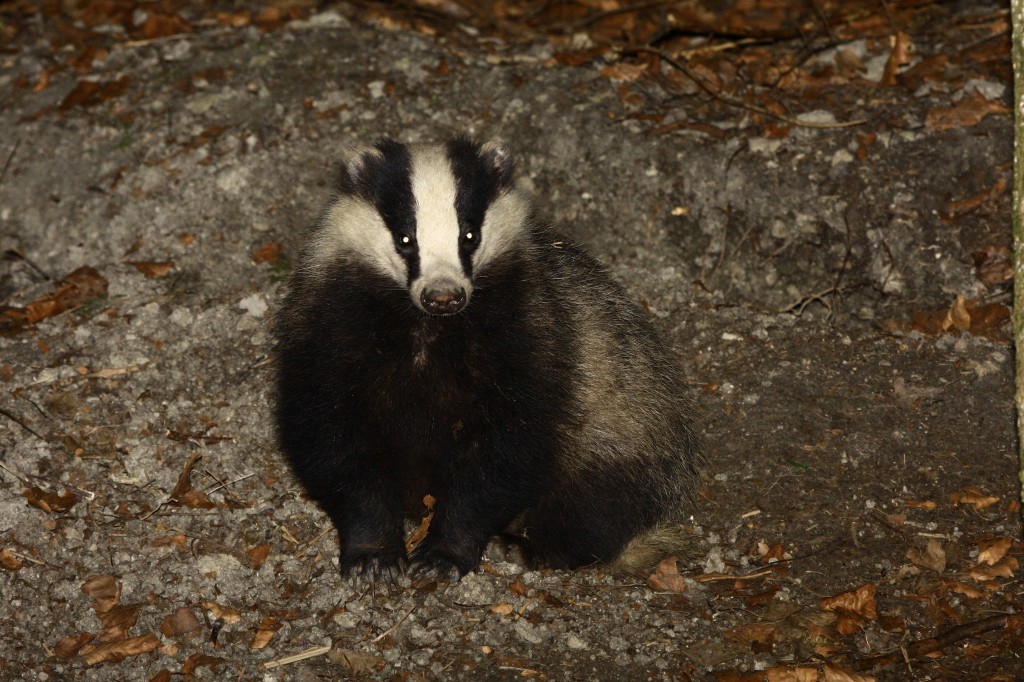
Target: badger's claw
(428,563)
(374,568)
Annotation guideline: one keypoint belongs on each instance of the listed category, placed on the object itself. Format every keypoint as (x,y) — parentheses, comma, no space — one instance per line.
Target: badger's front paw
(374,567)
(429,562)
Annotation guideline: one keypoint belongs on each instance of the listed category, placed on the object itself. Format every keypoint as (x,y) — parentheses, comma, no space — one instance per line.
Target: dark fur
(380,404)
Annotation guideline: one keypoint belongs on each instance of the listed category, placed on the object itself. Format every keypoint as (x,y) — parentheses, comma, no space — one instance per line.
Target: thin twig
(223,485)
(13,473)
(824,21)
(309,543)
(720,47)
(20,422)
(803,302)
(924,647)
(753,575)
(16,254)
(308,653)
(29,559)
(729,100)
(10,157)
(395,626)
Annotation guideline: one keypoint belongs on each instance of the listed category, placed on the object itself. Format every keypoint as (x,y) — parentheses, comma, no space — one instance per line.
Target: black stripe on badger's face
(481,174)
(381,176)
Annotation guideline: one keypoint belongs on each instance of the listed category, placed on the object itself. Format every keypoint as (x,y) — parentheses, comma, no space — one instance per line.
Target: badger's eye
(470,237)
(405,243)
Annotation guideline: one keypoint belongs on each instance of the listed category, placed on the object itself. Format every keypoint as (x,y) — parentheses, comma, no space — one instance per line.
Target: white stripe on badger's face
(504,224)
(437,224)
(353,229)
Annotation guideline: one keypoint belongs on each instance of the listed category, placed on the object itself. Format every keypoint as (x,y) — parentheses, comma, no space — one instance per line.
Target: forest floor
(811,199)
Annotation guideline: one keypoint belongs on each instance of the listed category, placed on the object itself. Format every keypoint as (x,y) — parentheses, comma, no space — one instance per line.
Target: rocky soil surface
(829,291)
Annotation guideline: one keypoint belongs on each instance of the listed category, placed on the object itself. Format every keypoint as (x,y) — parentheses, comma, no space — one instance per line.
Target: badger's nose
(443,301)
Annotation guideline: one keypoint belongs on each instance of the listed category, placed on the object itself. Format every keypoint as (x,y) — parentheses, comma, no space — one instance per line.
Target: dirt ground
(836,295)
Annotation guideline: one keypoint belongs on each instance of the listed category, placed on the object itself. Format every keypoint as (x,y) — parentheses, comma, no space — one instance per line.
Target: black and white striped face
(428,216)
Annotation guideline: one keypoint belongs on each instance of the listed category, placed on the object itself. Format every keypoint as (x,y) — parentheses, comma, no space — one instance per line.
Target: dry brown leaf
(837,673)
(623,72)
(104,590)
(987,320)
(785,673)
(959,318)
(66,648)
(228,614)
(255,556)
(50,502)
(152,269)
(44,78)
(234,19)
(266,631)
(268,253)
(517,588)
(179,540)
(502,609)
(73,291)
(748,633)
(852,608)
(961,206)
(164,675)
(1001,569)
(860,601)
(8,560)
(183,493)
(421,530)
(927,505)
(968,112)
(91,93)
(117,621)
(181,622)
(980,319)
(115,651)
(666,577)
(773,554)
(993,265)
(761,598)
(159,25)
(932,557)
(270,18)
(898,57)
(992,551)
(82,61)
(973,497)
(965,590)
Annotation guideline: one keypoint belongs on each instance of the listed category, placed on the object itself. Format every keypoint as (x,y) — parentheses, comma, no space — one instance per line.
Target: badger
(438,339)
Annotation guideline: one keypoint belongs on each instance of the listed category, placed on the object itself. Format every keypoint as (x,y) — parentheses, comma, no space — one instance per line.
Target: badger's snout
(446,298)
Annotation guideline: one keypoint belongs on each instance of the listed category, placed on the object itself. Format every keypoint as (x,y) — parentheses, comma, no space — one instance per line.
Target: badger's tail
(645,551)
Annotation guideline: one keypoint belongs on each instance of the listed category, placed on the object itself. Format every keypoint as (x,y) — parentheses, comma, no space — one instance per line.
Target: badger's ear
(499,160)
(356,170)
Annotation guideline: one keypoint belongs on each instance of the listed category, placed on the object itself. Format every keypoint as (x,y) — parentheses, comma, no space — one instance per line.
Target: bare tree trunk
(1017,11)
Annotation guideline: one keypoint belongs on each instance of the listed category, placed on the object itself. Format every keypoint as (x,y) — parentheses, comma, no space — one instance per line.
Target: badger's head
(429,217)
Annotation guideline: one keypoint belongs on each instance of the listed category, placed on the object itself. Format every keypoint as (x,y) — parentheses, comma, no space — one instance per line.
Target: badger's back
(629,455)
(438,340)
